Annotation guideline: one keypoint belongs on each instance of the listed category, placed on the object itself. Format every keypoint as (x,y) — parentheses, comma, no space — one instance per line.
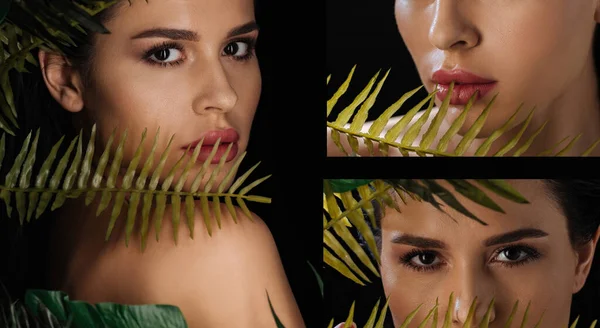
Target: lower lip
(206,150)
(463,92)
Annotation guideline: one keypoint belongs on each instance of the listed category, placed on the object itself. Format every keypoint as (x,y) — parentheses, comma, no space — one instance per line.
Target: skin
(209,89)
(539,52)
(470,269)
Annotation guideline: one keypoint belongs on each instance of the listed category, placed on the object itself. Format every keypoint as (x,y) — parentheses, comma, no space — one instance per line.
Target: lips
(465,85)
(228,138)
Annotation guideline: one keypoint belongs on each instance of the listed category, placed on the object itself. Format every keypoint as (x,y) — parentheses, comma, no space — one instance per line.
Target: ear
(585,257)
(62,80)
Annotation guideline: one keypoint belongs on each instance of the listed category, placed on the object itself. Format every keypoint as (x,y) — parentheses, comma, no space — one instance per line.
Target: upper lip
(458,76)
(210,138)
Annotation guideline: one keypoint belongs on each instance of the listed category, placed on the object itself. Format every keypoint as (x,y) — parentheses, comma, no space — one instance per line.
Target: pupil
(163,54)
(512,254)
(427,258)
(232,48)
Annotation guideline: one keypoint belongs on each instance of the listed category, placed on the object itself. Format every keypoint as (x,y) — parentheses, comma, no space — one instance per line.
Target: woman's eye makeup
(165,54)
(516,255)
(240,49)
(172,54)
(422,260)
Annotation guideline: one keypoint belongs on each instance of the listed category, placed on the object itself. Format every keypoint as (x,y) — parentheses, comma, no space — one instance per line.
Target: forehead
(542,212)
(198,15)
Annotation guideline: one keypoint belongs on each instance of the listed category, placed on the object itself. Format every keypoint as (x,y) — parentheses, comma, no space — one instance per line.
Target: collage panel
(462,78)
(461,252)
(142,179)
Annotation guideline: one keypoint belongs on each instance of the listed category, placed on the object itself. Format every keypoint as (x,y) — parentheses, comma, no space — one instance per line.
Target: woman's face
(535,50)
(186,66)
(522,255)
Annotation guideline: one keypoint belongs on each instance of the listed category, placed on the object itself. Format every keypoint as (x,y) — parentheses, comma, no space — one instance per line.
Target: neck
(574,112)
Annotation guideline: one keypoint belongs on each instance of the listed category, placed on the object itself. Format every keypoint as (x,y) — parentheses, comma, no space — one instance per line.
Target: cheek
(413,24)
(405,293)
(539,50)
(245,79)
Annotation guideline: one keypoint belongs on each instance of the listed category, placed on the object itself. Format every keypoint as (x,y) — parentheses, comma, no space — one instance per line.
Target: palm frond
(341,247)
(70,178)
(403,135)
(432,316)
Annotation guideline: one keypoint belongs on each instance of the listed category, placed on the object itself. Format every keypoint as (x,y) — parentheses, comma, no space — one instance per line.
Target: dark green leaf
(277,321)
(4,9)
(343,185)
(502,188)
(103,315)
(447,197)
(475,194)
(319,280)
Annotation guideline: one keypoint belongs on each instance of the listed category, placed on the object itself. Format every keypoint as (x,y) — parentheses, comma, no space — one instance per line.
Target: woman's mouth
(227,139)
(465,85)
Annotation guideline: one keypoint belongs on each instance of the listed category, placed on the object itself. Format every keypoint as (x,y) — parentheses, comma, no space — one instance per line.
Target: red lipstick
(228,137)
(465,85)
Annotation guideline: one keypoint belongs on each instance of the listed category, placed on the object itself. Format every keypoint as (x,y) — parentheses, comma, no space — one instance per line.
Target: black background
(365,34)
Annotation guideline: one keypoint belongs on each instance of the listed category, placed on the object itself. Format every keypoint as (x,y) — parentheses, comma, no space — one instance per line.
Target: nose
(470,290)
(450,28)
(463,307)
(214,89)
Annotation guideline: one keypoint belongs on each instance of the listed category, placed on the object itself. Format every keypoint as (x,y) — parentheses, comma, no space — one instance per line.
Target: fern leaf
(13,174)
(102,162)
(111,183)
(410,317)
(474,130)
(69,178)
(456,125)
(373,316)
(340,92)
(355,135)
(86,164)
(393,133)
(126,184)
(345,115)
(363,113)
(25,179)
(55,179)
(437,120)
(487,144)
(330,241)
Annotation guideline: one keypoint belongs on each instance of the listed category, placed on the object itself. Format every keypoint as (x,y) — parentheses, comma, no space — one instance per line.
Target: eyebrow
(416,241)
(187,35)
(513,236)
(423,242)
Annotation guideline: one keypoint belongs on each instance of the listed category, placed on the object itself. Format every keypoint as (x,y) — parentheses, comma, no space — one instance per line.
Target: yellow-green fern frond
(403,136)
(431,319)
(352,200)
(70,178)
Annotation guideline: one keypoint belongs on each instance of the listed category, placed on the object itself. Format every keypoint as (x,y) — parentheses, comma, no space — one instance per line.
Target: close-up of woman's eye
(421,260)
(167,54)
(514,255)
(239,49)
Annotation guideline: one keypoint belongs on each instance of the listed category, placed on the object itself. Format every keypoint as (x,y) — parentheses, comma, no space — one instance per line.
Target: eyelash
(532,255)
(250,42)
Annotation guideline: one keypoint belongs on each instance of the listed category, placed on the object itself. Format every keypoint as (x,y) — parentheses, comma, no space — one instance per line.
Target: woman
(540,252)
(187,67)
(536,53)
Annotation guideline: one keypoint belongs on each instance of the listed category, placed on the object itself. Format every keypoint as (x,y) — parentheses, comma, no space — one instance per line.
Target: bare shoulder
(217,280)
